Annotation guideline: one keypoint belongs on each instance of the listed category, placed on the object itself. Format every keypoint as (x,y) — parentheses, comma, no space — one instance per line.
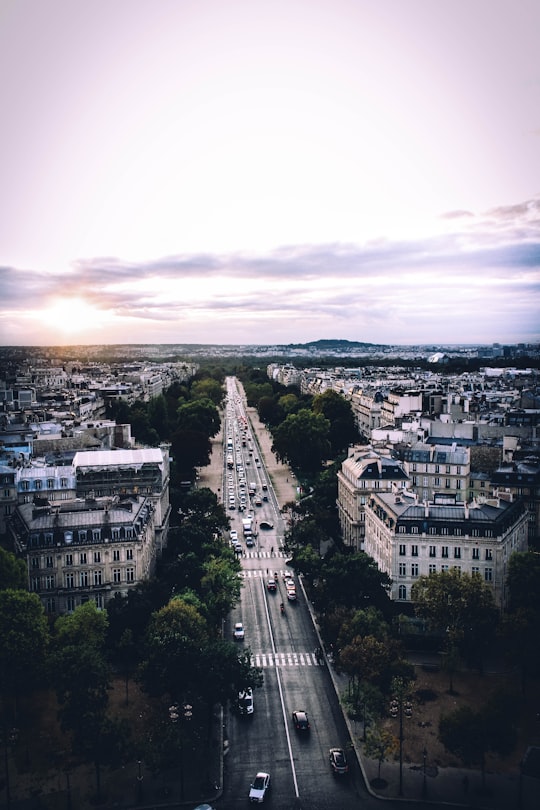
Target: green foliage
(303,439)
(13,572)
(380,745)
(86,624)
(524,581)
(200,416)
(471,734)
(24,641)
(460,603)
(352,580)
(208,389)
(338,411)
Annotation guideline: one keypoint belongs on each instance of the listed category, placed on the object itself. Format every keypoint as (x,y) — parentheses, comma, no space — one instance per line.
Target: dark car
(300,720)
(338,761)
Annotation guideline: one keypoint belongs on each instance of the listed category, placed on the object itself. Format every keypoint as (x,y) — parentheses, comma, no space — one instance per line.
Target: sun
(71,315)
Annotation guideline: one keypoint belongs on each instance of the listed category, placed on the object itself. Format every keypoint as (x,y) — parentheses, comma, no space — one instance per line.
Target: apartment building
(364,472)
(408,539)
(436,470)
(79,550)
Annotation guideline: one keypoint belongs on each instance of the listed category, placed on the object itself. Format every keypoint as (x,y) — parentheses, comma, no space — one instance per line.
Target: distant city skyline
(240,172)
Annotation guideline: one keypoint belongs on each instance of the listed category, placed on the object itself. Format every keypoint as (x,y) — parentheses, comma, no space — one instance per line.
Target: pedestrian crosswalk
(263,554)
(290,659)
(251,573)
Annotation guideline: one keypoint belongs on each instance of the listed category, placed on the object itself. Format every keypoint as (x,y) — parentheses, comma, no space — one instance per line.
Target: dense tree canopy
(24,638)
(303,440)
(460,604)
(338,411)
(13,572)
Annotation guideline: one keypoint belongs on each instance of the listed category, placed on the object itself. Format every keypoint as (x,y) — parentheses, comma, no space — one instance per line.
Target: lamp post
(424,785)
(139,782)
(175,715)
(399,706)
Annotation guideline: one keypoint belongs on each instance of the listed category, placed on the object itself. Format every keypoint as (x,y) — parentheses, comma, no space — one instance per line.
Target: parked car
(238,631)
(338,761)
(300,720)
(265,524)
(259,787)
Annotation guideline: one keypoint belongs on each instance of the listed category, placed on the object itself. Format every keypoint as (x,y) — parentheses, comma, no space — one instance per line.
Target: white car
(260,787)
(238,631)
(245,702)
(234,534)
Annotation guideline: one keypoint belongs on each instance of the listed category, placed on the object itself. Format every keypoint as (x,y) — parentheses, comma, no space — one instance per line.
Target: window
(96,535)
(116,555)
(432,569)
(437,468)
(402,550)
(458,470)
(63,483)
(457,568)
(401,529)
(50,483)
(402,592)
(403,569)
(116,575)
(414,529)
(433,551)
(444,551)
(437,482)
(68,559)
(49,562)
(489,554)
(98,599)
(475,571)
(414,570)
(37,484)
(444,568)
(82,558)
(425,481)
(444,530)
(488,574)
(83,579)
(457,553)
(51,605)
(35,584)
(130,575)
(97,556)
(82,536)
(115,534)
(448,470)
(70,604)
(475,533)
(415,480)
(97,577)
(447,483)
(476,553)
(35,562)
(69,580)
(458,483)
(129,554)
(48,539)
(414,551)
(25,485)
(49,582)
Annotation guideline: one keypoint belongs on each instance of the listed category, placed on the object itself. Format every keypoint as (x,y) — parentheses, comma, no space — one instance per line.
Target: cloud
(481,269)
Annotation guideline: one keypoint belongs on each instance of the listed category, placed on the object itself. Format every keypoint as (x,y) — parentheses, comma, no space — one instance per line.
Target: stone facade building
(408,539)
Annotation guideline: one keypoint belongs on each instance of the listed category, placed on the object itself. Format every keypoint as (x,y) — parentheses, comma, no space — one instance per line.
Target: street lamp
(139,782)
(424,785)
(399,706)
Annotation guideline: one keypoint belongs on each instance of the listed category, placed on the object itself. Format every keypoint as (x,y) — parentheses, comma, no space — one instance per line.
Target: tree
(86,625)
(190,449)
(24,642)
(208,389)
(471,734)
(338,411)
(462,605)
(220,588)
(302,439)
(13,572)
(200,416)
(380,745)
(523,581)
(352,580)
(173,644)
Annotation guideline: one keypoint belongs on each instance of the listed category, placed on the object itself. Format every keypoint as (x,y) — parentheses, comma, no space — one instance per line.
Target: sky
(247,171)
